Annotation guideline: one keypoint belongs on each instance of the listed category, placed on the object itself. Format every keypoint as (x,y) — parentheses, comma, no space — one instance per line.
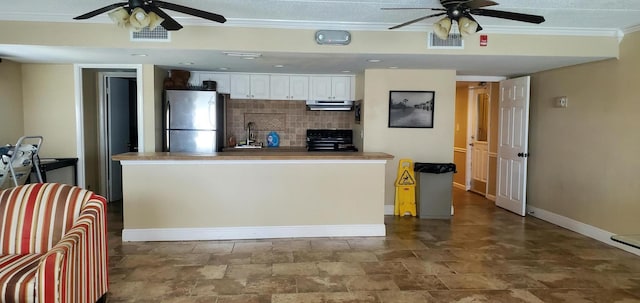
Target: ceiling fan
(461,11)
(138,14)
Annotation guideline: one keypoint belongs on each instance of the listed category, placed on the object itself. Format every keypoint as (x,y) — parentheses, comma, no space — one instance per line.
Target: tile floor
(484,254)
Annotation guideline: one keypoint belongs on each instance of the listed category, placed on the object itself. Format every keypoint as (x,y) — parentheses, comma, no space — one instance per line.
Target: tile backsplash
(290,119)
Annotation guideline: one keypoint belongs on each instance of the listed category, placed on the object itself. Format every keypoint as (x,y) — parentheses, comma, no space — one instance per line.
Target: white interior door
(513,137)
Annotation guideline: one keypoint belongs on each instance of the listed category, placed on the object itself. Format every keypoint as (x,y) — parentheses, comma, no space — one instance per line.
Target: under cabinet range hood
(329,105)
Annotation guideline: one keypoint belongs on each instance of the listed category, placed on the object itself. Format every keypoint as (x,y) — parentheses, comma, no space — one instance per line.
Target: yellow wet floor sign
(405,189)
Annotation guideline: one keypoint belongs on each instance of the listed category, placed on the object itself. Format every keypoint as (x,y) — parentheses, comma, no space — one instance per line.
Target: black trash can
(433,190)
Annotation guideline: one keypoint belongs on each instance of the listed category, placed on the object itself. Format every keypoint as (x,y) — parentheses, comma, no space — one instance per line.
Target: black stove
(330,140)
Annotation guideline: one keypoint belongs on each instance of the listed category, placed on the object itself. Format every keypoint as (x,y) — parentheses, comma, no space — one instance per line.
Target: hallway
(483,254)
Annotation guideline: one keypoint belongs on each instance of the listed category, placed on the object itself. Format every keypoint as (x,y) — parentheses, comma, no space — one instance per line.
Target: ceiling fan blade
(508,15)
(101,10)
(452,3)
(472,4)
(407,8)
(416,20)
(190,11)
(169,23)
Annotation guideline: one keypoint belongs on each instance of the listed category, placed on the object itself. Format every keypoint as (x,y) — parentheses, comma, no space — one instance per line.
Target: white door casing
(513,144)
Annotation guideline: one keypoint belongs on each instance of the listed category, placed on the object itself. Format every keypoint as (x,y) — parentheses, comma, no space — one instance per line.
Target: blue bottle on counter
(273,140)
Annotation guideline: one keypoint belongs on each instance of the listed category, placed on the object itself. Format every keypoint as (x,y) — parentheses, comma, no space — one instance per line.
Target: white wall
(419,144)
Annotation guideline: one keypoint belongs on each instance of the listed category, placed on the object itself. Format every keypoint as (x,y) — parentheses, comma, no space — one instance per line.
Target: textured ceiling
(583,17)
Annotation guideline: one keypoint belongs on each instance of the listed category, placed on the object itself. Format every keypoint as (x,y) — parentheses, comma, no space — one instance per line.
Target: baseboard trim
(252,232)
(491,197)
(389,210)
(579,227)
(459,186)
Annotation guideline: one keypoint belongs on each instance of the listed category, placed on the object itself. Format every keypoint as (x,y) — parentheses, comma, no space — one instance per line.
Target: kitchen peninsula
(251,195)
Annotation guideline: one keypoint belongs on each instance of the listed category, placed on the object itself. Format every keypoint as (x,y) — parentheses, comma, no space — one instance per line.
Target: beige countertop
(263,154)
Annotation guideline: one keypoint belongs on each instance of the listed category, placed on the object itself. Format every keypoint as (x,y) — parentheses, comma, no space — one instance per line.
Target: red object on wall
(484,39)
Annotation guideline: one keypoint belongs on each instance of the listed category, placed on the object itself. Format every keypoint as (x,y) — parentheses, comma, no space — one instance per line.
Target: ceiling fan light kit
(467,27)
(138,20)
(461,11)
(139,14)
(442,28)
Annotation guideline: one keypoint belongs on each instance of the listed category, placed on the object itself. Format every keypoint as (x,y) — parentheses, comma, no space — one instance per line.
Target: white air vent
(453,42)
(159,34)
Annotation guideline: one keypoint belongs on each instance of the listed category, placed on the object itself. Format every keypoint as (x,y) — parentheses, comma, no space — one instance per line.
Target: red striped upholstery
(53,244)
(18,277)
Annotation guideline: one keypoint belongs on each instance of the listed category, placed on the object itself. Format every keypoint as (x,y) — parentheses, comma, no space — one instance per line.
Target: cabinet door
(299,87)
(341,88)
(240,86)
(320,88)
(260,87)
(222,81)
(279,88)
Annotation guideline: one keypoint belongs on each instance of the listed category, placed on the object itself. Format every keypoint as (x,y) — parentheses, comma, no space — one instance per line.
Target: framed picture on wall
(411,109)
(357,109)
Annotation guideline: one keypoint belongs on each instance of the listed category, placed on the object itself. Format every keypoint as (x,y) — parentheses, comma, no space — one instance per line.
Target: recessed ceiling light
(139,55)
(346,71)
(279,66)
(374,60)
(248,58)
(187,63)
(223,68)
(393,67)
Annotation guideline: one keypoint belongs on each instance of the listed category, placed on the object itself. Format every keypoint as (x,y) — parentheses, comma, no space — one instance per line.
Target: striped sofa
(53,244)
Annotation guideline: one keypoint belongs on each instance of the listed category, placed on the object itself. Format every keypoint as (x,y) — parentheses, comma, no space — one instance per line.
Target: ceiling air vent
(454,41)
(159,34)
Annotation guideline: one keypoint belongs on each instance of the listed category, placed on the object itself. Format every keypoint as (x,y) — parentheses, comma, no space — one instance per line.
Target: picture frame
(357,109)
(411,109)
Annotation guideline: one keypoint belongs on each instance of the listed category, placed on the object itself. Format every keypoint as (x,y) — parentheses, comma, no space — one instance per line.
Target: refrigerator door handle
(168,121)
(212,112)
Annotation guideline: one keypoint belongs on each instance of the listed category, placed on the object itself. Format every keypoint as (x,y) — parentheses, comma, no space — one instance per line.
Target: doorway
(476,130)
(118,127)
(90,116)
(478,138)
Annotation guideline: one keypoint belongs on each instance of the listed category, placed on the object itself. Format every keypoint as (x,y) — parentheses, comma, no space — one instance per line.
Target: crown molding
(631,29)
(337,25)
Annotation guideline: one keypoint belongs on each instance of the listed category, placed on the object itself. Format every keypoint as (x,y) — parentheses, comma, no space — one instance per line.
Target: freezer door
(192,141)
(191,109)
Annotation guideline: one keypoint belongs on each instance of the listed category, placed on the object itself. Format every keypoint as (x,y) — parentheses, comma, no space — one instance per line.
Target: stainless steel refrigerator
(194,121)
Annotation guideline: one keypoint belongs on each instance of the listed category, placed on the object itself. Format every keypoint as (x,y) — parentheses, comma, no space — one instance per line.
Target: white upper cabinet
(289,87)
(248,86)
(299,87)
(331,88)
(341,88)
(279,86)
(222,81)
(194,80)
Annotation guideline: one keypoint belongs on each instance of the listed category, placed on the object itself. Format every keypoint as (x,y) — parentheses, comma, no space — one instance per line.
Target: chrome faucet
(249,134)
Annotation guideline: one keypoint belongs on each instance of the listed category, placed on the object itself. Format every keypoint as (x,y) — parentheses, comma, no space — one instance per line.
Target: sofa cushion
(18,278)
(34,217)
